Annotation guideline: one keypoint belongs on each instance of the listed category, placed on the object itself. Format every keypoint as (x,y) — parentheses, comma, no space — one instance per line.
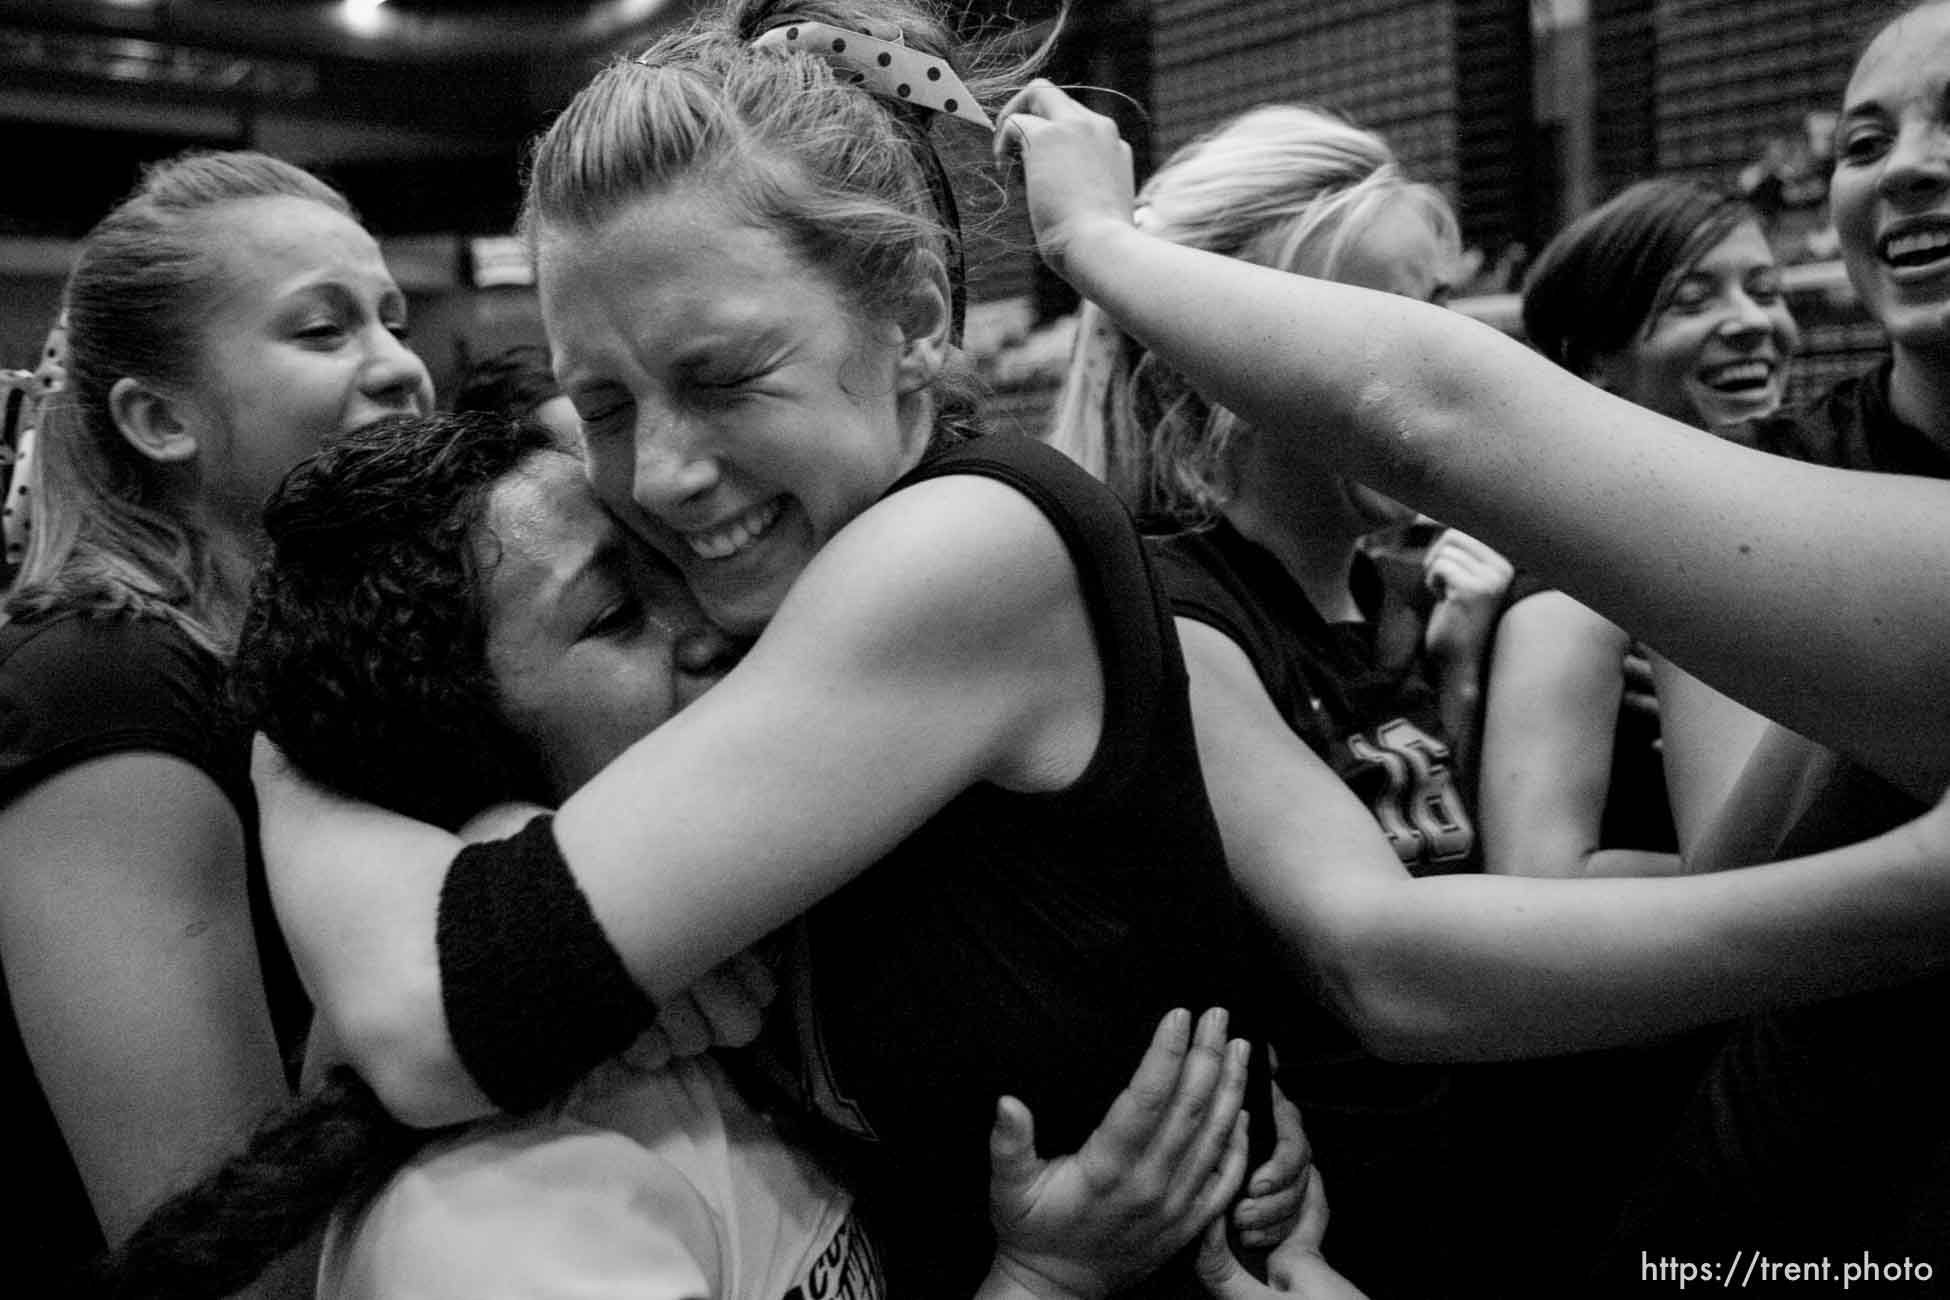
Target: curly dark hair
(513,381)
(364,656)
(363,652)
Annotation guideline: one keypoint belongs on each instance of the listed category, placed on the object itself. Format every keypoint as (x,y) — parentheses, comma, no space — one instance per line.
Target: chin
(740,613)
(1919,329)
(1712,411)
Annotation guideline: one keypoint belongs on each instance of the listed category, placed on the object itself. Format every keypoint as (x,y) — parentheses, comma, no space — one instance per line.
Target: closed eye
(323,331)
(602,418)
(623,614)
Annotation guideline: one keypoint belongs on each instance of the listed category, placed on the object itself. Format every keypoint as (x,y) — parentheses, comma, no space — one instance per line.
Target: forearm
(1632,862)
(1706,741)
(1497,967)
(1763,802)
(1627,511)
(357,891)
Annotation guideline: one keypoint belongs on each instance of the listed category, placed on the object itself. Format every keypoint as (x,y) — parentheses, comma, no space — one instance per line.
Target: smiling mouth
(731,539)
(1911,249)
(1738,377)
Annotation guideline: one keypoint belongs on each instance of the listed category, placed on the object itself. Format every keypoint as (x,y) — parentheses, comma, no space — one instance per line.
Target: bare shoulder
(967,556)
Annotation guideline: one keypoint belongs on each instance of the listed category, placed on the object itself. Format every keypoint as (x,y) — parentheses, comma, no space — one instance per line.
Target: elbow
(1422,414)
(407,1059)
(1394,1028)
(1390,1012)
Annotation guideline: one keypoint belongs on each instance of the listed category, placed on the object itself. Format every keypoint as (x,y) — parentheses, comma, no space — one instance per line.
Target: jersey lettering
(1417,805)
(848,1269)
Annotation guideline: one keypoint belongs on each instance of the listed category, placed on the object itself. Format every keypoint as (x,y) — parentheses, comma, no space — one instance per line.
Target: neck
(1919,393)
(1301,513)
(1318,560)
(231,554)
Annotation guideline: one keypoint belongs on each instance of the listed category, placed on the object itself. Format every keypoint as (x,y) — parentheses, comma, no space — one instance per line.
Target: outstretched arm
(1478,967)
(1705,549)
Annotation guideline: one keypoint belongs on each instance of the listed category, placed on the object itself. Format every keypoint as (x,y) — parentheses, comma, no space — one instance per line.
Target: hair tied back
(26,394)
(887,68)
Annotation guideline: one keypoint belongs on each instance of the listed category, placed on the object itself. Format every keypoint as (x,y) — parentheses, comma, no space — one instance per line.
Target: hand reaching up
(1167,1159)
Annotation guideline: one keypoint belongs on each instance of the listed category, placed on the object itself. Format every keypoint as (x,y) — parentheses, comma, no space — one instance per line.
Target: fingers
(1178,1130)
(683,1025)
(1288,1259)
(1211,1121)
(1218,1271)
(649,1053)
(756,976)
(723,1000)
(1226,1178)
(1641,685)
(1450,569)
(1279,1187)
(1012,1142)
(1134,1117)
(1037,107)
(725,1007)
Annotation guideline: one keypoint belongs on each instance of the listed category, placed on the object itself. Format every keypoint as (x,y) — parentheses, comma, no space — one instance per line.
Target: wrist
(1093,250)
(1010,1278)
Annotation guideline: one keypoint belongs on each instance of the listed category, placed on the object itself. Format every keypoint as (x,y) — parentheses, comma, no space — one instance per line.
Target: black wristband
(535,994)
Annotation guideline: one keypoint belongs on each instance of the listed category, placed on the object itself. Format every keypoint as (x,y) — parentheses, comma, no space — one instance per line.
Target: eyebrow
(603,563)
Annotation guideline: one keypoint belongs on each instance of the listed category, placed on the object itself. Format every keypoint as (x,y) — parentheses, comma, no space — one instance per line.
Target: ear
(152,422)
(927,322)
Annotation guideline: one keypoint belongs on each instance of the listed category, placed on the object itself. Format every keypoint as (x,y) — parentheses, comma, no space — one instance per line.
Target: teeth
(1921,245)
(1740,374)
(723,543)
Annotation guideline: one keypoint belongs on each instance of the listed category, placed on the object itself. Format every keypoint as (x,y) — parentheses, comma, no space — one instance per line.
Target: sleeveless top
(1379,727)
(1025,944)
(75,688)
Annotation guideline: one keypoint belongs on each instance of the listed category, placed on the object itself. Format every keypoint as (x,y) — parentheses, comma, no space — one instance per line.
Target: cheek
(627,692)
(1852,214)
(610,469)
(1671,355)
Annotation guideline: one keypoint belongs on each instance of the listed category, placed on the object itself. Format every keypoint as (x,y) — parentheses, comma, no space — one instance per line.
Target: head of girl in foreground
(1667,295)
(1889,195)
(1285,186)
(746,279)
(448,619)
(223,321)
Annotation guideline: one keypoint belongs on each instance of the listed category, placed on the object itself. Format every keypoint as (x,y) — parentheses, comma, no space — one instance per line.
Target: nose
(673,469)
(1918,166)
(393,375)
(706,651)
(1748,322)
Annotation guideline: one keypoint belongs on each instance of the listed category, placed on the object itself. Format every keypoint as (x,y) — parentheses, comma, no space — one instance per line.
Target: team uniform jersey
(1023,943)
(656,1185)
(1383,1132)
(72,689)
(1446,1155)
(1379,726)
